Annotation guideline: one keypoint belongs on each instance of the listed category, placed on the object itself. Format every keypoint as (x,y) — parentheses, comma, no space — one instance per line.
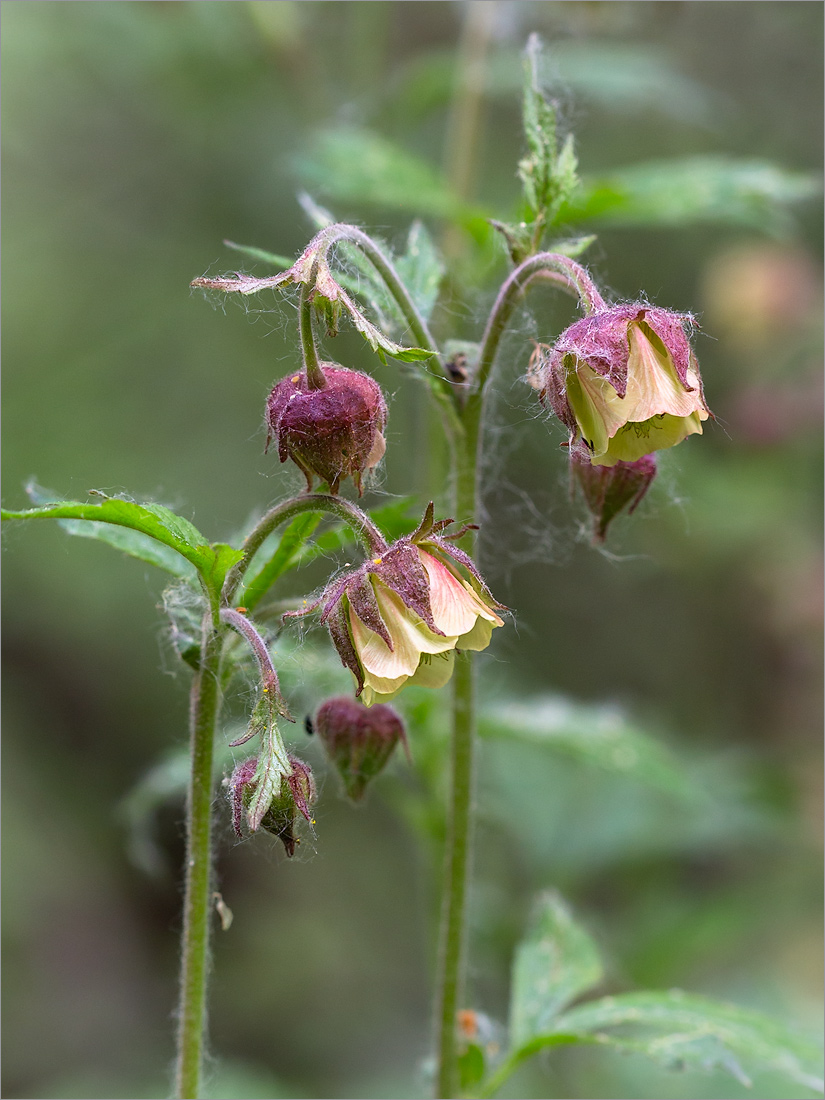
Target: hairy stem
(562,271)
(458,855)
(372,539)
(205,703)
(315,376)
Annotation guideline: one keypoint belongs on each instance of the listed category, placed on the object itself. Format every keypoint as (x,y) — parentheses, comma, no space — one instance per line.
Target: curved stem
(340,231)
(563,271)
(315,376)
(343,509)
(205,702)
(440,386)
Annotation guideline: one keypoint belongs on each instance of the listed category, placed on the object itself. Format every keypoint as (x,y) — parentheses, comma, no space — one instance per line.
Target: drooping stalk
(315,376)
(343,509)
(204,708)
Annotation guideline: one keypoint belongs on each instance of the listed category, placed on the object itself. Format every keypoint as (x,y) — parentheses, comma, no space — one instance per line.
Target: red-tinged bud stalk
(269,677)
(314,375)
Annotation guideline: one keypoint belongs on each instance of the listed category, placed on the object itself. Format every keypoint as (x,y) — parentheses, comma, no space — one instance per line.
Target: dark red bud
(608,490)
(359,740)
(329,433)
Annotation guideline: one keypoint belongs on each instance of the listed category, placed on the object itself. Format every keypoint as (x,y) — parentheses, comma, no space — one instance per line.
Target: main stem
(458,855)
(205,702)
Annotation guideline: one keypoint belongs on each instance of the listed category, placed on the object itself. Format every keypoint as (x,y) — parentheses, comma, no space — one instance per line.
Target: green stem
(440,386)
(458,855)
(315,376)
(205,703)
(372,539)
(562,271)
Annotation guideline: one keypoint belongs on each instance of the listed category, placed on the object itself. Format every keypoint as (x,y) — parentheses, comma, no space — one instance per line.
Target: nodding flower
(624,381)
(401,616)
(333,432)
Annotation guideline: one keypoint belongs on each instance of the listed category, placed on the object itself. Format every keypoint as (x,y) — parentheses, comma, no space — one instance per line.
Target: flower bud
(359,740)
(624,381)
(296,792)
(608,490)
(329,433)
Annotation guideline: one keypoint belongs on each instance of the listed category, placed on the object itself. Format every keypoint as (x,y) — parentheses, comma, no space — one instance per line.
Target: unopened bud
(359,740)
(295,793)
(608,490)
(330,433)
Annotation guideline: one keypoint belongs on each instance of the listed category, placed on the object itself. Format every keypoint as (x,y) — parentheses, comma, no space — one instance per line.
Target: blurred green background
(137,136)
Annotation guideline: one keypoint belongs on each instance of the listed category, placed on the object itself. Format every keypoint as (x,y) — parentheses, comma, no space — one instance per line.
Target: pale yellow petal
(454,605)
(434,671)
(636,440)
(479,637)
(653,387)
(596,406)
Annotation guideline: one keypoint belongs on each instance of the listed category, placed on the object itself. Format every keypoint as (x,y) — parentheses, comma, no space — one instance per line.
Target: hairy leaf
(555,963)
(694,190)
(681,1030)
(158,522)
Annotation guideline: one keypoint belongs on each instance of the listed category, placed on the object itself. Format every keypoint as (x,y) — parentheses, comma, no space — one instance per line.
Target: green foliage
(548,171)
(211,560)
(694,190)
(682,1030)
(591,734)
(556,963)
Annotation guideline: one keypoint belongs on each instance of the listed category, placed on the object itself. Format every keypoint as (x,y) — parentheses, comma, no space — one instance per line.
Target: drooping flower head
(401,616)
(333,432)
(359,740)
(624,381)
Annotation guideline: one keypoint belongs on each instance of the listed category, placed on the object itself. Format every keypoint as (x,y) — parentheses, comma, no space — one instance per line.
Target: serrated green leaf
(694,190)
(273,763)
(680,1030)
(590,734)
(154,520)
(421,269)
(555,964)
(134,543)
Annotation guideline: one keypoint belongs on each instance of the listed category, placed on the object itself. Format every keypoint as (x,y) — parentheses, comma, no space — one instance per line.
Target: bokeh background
(137,136)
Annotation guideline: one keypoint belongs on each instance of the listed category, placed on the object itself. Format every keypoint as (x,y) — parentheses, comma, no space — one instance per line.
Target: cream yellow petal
(434,671)
(596,406)
(636,440)
(454,605)
(653,386)
(479,637)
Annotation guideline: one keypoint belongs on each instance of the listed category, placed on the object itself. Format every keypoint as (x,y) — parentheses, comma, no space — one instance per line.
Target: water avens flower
(624,381)
(332,432)
(400,617)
